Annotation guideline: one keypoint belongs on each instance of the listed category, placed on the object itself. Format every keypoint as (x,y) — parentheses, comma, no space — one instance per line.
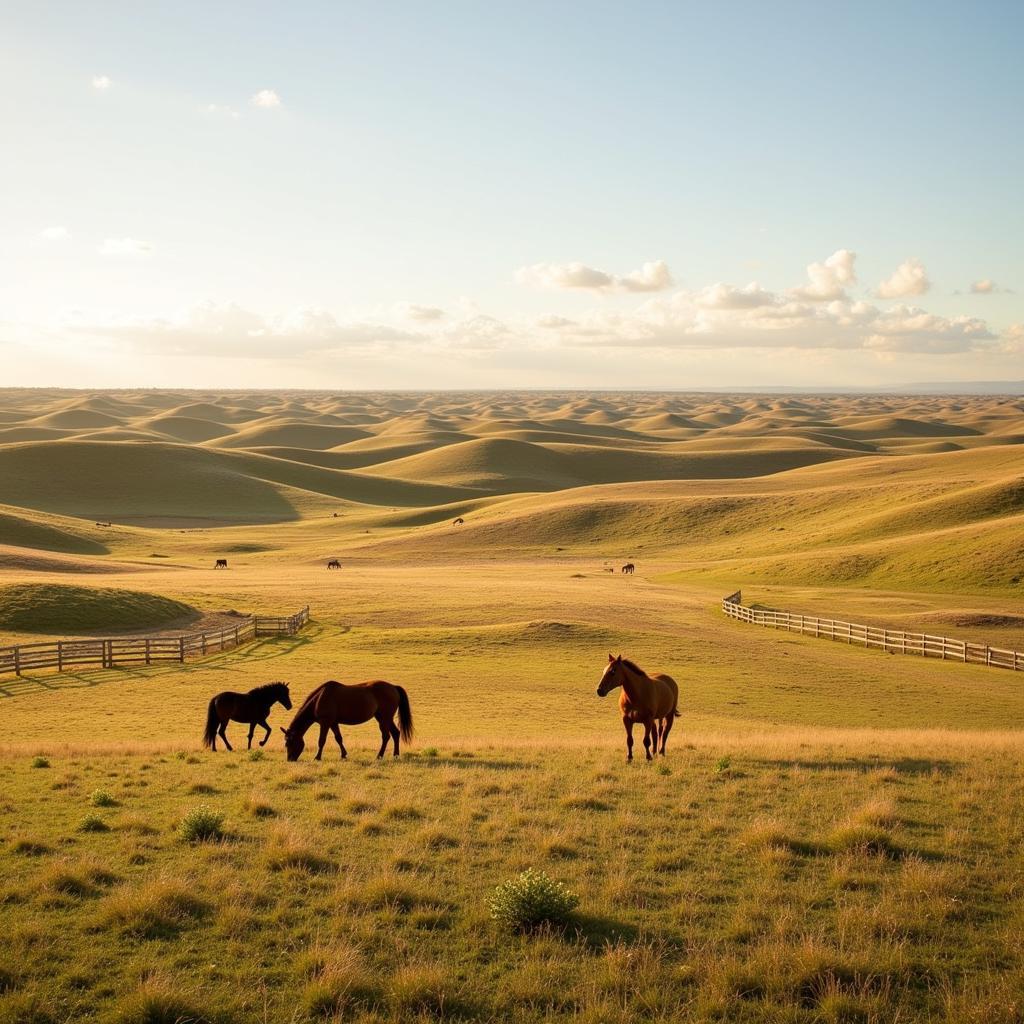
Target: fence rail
(144,650)
(924,645)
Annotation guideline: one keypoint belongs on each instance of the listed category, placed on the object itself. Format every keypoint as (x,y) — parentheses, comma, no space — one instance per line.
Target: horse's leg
(337,736)
(252,732)
(649,727)
(321,742)
(628,723)
(667,729)
(223,730)
(396,735)
(263,722)
(385,736)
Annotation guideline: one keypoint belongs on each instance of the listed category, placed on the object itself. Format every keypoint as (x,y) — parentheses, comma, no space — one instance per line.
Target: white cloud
(987,287)
(651,277)
(423,314)
(58,233)
(727,296)
(101,82)
(221,110)
(124,247)
(827,281)
(266,98)
(909,278)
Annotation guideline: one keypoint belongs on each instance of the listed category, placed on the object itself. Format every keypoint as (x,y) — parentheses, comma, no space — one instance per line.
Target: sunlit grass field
(834,835)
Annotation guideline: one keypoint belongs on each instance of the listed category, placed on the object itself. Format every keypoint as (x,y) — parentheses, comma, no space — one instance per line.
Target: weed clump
(101,798)
(40,762)
(93,823)
(256,755)
(201,824)
(531,901)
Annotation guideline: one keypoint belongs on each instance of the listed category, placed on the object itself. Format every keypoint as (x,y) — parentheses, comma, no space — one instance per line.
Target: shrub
(430,752)
(201,824)
(723,764)
(101,798)
(256,755)
(93,823)
(40,762)
(531,900)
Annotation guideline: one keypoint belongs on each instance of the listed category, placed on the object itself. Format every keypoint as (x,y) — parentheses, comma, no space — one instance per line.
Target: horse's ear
(619,659)
(611,658)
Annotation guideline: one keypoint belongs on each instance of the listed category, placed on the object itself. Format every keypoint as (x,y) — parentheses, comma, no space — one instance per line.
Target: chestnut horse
(334,704)
(252,707)
(649,700)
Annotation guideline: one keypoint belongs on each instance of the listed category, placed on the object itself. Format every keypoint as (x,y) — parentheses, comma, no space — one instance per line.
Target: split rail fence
(895,641)
(144,650)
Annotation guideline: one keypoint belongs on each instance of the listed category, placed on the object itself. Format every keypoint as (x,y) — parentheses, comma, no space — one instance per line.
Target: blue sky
(466,194)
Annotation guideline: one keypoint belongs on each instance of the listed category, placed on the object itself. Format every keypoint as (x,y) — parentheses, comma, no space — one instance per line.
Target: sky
(456,194)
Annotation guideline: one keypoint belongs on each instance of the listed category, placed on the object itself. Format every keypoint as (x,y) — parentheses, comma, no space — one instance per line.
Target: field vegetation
(834,835)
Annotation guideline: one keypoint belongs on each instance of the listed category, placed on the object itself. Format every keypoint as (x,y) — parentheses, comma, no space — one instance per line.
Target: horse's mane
(261,691)
(306,703)
(633,666)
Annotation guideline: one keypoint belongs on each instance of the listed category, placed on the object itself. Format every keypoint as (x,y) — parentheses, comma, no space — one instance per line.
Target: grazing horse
(334,704)
(650,700)
(252,707)
(629,568)
(221,563)
(458,522)
(334,564)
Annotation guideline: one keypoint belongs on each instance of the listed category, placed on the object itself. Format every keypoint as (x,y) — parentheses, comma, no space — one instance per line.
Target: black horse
(252,707)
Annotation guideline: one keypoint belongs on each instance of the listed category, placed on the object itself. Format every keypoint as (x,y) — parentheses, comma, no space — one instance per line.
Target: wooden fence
(144,650)
(893,640)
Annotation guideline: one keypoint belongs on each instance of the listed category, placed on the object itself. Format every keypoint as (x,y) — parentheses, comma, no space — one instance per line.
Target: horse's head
(281,694)
(293,743)
(611,677)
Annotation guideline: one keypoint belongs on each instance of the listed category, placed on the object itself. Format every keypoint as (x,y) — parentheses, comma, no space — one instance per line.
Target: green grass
(691,904)
(63,608)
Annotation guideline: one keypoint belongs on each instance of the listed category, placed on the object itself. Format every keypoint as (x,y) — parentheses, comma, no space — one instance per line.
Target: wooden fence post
(181,649)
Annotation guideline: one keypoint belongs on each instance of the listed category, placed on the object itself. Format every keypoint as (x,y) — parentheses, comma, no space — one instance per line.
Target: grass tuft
(201,824)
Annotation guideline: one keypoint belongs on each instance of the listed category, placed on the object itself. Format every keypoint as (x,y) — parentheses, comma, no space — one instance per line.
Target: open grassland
(834,836)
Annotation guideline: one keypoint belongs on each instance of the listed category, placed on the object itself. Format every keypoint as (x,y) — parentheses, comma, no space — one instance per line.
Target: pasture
(834,833)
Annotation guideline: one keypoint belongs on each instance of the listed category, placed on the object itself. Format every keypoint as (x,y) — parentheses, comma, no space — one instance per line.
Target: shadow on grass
(492,764)
(901,765)
(597,932)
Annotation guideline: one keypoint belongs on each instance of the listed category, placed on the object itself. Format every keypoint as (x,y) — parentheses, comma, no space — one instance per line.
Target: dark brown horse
(221,563)
(629,568)
(333,704)
(334,564)
(252,707)
(649,700)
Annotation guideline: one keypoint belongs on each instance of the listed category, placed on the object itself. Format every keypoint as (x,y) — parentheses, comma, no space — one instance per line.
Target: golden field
(834,834)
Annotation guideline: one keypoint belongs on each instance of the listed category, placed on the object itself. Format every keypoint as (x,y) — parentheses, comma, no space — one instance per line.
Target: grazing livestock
(648,700)
(458,522)
(221,563)
(334,564)
(252,707)
(334,704)
(629,568)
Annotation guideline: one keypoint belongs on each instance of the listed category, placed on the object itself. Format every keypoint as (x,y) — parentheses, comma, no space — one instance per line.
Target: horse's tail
(212,722)
(404,714)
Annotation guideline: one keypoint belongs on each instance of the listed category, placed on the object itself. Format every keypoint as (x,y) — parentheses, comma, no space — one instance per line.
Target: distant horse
(649,700)
(252,707)
(221,563)
(629,568)
(103,524)
(334,704)
(334,564)
(458,522)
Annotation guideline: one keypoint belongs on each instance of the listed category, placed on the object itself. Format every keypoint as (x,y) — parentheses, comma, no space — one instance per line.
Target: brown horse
(252,707)
(334,704)
(649,700)
(629,568)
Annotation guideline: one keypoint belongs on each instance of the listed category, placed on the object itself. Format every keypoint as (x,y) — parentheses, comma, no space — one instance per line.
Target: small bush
(430,752)
(40,762)
(531,900)
(723,764)
(256,755)
(101,798)
(201,824)
(93,823)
